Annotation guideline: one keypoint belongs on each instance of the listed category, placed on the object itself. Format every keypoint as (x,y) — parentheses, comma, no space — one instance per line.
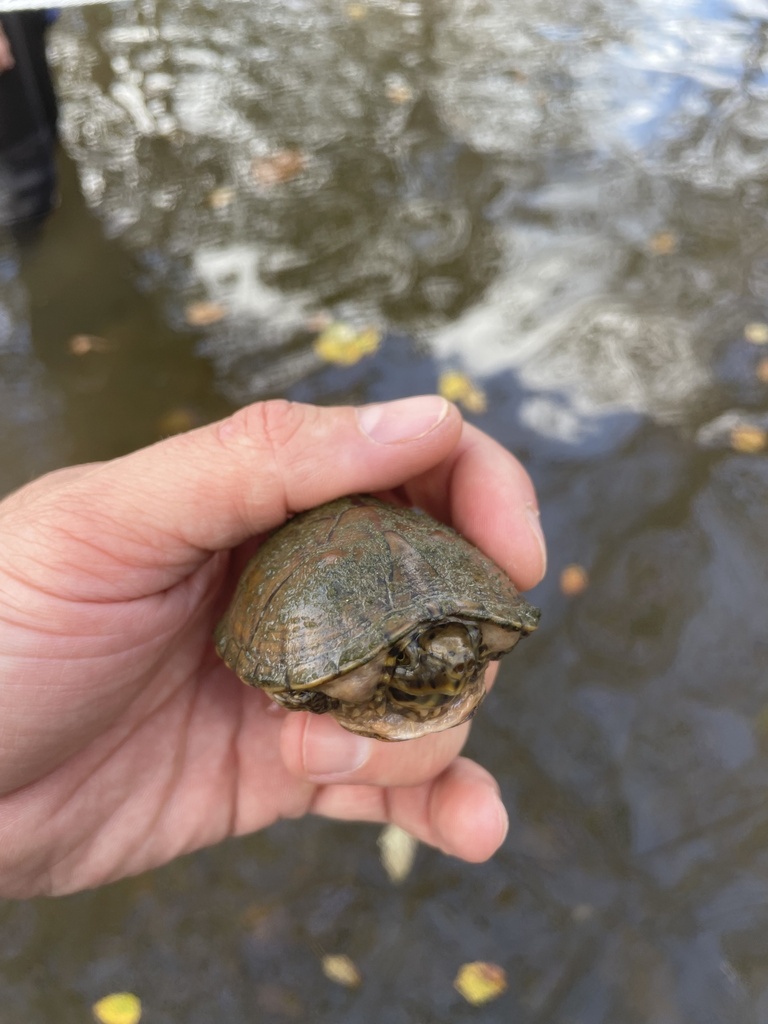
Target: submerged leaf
(339,968)
(177,421)
(574,579)
(281,166)
(203,314)
(221,198)
(480,982)
(748,439)
(397,849)
(398,91)
(457,387)
(118,1008)
(341,344)
(663,243)
(82,344)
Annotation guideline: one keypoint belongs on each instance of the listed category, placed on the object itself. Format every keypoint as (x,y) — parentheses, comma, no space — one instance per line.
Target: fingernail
(503,817)
(330,751)
(532,515)
(404,420)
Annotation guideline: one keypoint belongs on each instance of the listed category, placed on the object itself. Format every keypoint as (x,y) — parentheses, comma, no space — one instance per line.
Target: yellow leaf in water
(761,370)
(574,579)
(480,982)
(118,1008)
(341,969)
(221,198)
(748,439)
(457,387)
(663,243)
(203,314)
(356,11)
(756,333)
(281,166)
(345,346)
(397,849)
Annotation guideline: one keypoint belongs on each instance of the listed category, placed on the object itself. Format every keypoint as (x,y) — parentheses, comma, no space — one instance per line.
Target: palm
(168,744)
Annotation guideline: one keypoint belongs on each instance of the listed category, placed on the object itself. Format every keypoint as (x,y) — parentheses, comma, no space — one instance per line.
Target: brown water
(569,204)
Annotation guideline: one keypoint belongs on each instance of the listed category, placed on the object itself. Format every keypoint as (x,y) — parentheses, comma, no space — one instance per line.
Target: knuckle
(281,421)
(267,435)
(267,427)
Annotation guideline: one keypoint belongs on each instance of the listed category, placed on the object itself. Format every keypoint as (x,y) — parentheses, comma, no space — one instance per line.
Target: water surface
(569,206)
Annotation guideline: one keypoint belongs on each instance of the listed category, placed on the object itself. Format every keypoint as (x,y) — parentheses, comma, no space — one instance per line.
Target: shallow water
(570,208)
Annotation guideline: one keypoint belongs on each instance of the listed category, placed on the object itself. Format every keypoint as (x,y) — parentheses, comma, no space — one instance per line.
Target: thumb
(171,504)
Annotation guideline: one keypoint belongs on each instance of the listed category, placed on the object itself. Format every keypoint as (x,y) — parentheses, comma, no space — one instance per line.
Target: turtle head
(434,665)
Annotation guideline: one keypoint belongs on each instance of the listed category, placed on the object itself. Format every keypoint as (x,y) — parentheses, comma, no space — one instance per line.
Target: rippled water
(570,206)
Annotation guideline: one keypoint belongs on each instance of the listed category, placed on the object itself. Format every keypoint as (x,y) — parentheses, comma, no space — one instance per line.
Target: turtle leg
(304,700)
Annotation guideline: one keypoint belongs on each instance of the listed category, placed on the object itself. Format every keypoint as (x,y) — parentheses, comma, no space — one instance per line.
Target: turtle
(376,614)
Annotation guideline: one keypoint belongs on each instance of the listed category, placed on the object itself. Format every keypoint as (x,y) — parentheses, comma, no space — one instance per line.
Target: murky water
(567,203)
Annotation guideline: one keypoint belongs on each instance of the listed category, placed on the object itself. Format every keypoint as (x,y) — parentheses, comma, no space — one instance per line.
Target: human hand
(124,741)
(6,56)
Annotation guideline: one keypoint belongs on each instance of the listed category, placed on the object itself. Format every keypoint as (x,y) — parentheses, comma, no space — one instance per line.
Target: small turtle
(379,615)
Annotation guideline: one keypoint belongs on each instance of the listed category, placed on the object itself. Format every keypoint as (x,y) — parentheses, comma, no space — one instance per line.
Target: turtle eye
(404,656)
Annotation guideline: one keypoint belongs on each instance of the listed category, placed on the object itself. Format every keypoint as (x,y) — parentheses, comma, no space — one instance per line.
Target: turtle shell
(346,585)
